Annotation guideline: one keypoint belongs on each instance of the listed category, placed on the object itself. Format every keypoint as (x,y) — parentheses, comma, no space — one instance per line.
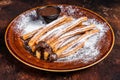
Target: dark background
(12,69)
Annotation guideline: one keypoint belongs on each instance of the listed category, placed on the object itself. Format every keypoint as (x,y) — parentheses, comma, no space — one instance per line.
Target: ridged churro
(60,38)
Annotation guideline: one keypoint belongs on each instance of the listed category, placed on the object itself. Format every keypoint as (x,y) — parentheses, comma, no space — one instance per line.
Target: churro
(60,38)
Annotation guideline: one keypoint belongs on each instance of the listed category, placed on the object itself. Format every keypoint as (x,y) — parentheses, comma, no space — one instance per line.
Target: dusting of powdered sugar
(89,51)
(25,23)
(32,25)
(66,41)
(54,31)
(70,10)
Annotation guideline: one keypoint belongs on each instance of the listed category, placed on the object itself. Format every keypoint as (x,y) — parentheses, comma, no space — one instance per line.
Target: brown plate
(15,44)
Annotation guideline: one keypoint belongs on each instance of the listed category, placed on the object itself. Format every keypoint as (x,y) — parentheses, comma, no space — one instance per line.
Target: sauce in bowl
(48,13)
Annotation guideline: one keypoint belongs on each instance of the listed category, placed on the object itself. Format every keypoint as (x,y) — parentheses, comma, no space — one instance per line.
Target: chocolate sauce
(48,13)
(52,57)
(44,47)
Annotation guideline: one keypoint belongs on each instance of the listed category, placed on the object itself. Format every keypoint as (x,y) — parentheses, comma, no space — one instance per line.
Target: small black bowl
(48,13)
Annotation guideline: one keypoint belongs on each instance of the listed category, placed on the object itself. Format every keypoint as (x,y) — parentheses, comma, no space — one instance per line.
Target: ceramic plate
(78,61)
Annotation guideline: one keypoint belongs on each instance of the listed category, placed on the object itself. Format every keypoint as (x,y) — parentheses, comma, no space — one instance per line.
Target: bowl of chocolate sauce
(48,13)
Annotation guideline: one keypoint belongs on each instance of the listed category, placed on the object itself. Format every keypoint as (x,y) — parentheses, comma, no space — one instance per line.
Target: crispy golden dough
(30,34)
(45,29)
(73,50)
(72,25)
(69,19)
(86,35)
(75,28)
(70,34)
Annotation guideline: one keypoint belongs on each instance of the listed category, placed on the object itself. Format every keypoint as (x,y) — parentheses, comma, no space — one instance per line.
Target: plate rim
(62,70)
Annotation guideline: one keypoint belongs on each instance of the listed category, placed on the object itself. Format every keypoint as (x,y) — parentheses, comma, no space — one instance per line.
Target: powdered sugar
(55,31)
(32,25)
(69,10)
(66,41)
(26,24)
(89,52)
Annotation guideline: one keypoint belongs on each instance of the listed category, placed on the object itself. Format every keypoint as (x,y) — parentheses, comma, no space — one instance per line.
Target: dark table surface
(12,69)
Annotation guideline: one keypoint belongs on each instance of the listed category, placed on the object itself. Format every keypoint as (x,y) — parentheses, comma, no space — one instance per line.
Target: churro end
(52,57)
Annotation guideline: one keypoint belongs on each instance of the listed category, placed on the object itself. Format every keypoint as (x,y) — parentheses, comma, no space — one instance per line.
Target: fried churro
(54,40)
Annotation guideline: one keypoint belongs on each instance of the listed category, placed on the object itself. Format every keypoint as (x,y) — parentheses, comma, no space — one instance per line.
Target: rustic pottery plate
(15,44)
